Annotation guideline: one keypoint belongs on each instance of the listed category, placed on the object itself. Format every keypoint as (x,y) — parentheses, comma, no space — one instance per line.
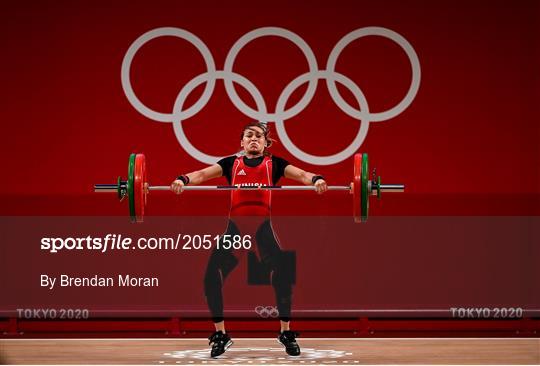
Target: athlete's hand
(177,186)
(320,186)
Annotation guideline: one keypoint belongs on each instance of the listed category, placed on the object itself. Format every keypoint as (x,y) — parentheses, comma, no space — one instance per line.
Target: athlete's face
(253,141)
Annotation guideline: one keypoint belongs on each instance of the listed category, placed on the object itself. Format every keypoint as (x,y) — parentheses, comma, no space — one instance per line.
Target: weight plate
(130,187)
(365,189)
(357,188)
(138,187)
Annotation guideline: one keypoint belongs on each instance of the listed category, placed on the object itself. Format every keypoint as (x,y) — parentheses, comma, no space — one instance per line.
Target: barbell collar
(105,187)
(392,188)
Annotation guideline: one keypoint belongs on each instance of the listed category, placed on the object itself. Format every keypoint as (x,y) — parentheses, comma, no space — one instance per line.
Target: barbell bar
(136,188)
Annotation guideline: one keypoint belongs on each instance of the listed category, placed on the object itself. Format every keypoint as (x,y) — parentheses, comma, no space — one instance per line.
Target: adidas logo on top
(241,172)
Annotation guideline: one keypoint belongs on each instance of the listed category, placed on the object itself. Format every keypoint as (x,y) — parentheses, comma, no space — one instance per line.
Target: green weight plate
(364,188)
(131,186)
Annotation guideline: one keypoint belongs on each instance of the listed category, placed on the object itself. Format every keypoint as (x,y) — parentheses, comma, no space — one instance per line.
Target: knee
(221,263)
(284,272)
(212,281)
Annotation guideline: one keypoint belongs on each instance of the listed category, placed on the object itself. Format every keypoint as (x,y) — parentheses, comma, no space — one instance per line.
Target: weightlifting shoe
(220,342)
(288,339)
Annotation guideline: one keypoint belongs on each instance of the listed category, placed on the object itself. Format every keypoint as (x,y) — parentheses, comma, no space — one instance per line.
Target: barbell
(136,187)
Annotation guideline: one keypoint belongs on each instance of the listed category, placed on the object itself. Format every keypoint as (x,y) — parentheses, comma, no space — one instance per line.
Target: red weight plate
(139,189)
(357,186)
(145,184)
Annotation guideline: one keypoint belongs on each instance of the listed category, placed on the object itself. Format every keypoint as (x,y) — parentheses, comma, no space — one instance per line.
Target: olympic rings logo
(267,311)
(246,355)
(280,114)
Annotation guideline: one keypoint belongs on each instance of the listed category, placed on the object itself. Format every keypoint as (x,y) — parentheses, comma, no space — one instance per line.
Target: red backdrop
(468,143)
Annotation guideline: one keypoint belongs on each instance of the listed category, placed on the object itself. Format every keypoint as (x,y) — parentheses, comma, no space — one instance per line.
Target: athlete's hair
(266,133)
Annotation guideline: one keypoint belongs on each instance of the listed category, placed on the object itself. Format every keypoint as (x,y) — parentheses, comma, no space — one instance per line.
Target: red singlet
(252,202)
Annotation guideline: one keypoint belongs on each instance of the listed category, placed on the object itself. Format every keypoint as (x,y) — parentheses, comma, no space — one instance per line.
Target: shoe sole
(229,343)
(279,342)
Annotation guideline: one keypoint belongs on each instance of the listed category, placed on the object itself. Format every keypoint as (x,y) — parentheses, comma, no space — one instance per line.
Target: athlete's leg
(220,264)
(282,276)
(282,281)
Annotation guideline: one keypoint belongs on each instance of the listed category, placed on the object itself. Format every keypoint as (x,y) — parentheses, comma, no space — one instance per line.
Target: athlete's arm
(197,177)
(304,177)
(201,176)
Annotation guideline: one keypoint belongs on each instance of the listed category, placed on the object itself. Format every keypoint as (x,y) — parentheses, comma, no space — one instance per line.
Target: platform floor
(331,351)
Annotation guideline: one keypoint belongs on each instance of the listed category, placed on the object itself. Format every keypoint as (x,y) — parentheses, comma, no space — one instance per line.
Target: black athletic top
(278,166)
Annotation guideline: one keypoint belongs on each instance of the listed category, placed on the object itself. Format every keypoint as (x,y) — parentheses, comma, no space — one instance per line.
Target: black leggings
(223,261)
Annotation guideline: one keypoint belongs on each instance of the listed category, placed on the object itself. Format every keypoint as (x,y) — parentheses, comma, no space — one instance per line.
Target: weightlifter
(254,165)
